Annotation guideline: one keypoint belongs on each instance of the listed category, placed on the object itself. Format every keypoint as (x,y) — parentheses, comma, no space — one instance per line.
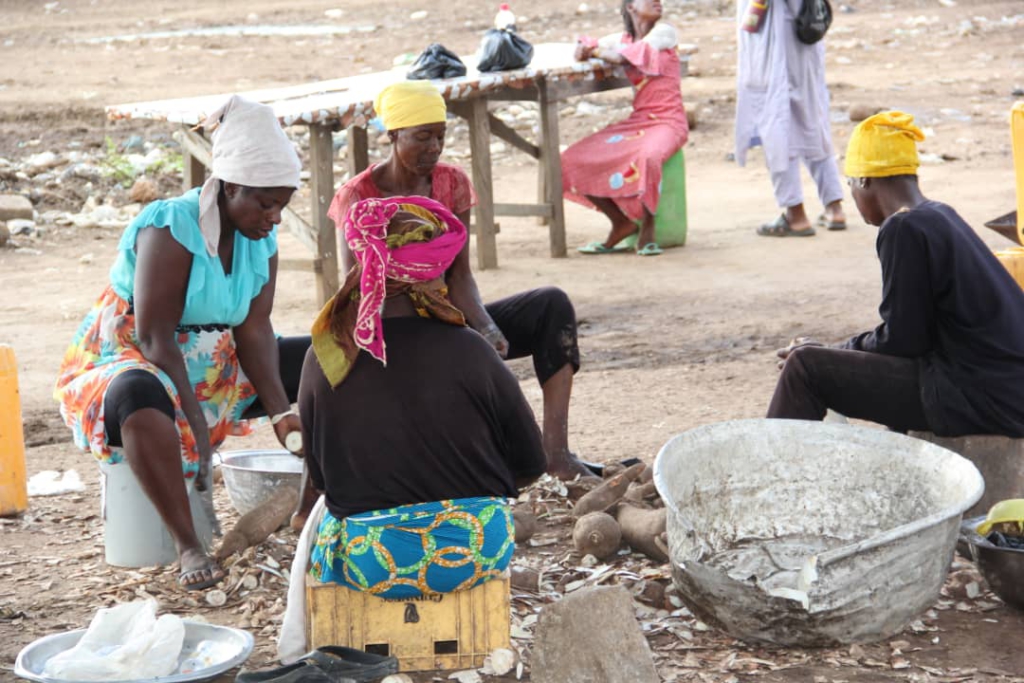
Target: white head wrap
(249,148)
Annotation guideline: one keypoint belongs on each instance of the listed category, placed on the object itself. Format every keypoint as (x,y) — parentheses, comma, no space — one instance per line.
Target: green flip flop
(650,249)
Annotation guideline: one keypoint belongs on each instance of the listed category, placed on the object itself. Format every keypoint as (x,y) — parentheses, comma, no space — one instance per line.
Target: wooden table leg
(321,161)
(358,157)
(480,148)
(551,167)
(542,189)
(193,172)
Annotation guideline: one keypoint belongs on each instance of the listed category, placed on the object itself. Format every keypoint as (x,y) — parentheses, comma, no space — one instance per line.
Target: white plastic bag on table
(123,643)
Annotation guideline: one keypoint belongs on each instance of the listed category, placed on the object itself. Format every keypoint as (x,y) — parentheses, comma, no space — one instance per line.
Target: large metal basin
(810,534)
(252,476)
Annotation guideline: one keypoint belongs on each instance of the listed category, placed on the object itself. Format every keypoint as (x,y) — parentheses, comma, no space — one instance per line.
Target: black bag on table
(813,21)
(436,61)
(503,50)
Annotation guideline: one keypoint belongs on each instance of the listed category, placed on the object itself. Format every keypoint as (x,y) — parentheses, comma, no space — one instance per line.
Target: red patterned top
(449,185)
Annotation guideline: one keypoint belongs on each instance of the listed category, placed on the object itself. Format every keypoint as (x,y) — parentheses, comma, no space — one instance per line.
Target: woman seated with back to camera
(418,446)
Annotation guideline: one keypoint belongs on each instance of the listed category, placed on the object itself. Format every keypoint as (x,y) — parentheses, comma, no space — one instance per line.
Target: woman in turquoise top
(179,350)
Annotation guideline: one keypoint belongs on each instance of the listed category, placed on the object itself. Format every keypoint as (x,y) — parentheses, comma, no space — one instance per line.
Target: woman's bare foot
(198,570)
(567,467)
(620,231)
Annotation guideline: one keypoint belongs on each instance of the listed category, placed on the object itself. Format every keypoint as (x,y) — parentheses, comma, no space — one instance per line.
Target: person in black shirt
(414,430)
(949,354)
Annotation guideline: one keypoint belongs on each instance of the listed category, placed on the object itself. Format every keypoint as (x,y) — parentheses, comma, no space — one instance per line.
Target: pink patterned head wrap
(411,261)
(366,227)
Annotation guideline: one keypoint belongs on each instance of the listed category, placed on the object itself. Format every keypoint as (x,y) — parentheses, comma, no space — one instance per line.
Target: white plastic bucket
(133,533)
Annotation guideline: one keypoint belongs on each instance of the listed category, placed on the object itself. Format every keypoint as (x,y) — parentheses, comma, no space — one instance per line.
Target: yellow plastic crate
(1013,260)
(453,631)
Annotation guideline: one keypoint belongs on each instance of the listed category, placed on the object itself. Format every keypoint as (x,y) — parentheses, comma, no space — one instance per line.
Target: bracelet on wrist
(280,416)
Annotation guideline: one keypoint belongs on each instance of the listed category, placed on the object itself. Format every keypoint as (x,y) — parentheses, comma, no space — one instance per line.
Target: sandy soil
(668,343)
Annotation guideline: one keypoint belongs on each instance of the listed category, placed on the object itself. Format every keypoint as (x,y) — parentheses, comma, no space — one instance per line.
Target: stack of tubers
(625,507)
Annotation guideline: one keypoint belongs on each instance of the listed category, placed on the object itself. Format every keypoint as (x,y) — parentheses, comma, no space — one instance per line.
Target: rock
(14,206)
(134,144)
(469,676)
(417,16)
(82,171)
(859,112)
(398,678)
(1018,92)
(37,163)
(86,259)
(143,191)
(603,619)
(21,226)
(5,235)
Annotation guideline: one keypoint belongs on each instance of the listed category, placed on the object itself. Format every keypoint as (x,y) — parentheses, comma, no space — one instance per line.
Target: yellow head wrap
(883,145)
(410,103)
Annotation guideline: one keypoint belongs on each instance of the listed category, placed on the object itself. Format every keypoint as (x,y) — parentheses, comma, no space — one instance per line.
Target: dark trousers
(137,389)
(540,323)
(865,386)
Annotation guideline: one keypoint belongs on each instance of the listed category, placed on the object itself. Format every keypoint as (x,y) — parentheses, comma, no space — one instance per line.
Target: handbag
(813,20)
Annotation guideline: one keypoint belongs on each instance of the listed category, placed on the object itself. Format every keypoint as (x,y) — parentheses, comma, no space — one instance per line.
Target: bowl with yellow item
(1006,516)
(1002,566)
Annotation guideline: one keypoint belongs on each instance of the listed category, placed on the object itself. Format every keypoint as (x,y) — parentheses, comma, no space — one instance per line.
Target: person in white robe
(782,105)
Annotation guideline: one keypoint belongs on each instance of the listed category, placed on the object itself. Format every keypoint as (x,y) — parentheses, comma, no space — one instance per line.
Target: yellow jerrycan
(13,489)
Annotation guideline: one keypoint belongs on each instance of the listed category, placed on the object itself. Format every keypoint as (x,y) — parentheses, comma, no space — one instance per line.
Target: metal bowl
(232,647)
(1003,568)
(805,534)
(253,476)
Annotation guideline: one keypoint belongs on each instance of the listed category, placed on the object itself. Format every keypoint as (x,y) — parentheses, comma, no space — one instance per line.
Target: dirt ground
(667,343)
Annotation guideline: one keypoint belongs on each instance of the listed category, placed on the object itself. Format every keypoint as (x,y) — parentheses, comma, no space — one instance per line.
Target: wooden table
(328,106)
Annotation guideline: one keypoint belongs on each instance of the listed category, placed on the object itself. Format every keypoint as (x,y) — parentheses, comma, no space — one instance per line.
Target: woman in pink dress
(618,170)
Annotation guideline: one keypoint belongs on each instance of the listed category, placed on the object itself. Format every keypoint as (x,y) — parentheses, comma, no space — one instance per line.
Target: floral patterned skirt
(416,550)
(106,346)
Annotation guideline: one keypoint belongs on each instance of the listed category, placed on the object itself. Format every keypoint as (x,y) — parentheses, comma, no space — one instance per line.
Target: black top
(949,302)
(445,419)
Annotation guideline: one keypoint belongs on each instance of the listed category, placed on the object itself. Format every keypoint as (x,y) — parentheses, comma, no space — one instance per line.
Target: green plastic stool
(670,220)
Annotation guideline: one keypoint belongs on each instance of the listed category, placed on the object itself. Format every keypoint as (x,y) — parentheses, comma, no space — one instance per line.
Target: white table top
(350,100)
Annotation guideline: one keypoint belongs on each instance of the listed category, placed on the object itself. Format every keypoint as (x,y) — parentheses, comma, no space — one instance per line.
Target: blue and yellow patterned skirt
(415,550)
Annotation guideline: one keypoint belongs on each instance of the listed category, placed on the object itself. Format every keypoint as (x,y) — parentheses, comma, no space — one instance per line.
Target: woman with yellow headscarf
(949,354)
(540,323)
